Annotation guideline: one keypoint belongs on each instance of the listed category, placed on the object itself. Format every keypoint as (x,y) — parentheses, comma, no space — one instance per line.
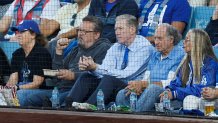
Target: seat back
(9,47)
(201,16)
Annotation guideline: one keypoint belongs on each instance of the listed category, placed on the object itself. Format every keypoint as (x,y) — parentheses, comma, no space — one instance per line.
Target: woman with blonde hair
(197,71)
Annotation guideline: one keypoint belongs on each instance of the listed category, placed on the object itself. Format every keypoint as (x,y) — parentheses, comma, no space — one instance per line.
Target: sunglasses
(73,20)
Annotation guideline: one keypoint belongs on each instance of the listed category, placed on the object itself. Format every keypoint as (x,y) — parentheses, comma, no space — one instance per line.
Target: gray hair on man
(171,31)
(130,19)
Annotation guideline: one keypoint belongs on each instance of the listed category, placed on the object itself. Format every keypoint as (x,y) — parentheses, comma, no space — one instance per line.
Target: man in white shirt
(67,19)
(38,10)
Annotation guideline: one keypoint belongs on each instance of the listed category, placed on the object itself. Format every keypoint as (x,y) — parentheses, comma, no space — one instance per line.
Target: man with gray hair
(160,71)
(122,60)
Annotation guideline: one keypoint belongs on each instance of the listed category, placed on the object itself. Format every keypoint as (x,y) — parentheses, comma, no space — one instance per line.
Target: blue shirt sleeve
(182,11)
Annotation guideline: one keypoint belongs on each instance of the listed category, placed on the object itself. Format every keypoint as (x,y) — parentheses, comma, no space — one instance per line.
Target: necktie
(125,59)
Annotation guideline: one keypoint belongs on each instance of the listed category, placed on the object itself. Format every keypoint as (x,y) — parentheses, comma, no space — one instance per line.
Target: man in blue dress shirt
(122,60)
(160,71)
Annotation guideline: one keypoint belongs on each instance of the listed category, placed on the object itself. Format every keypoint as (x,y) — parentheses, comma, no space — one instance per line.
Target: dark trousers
(87,85)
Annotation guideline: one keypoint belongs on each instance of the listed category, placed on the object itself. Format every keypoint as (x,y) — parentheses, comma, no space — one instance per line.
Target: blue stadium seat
(201,16)
(189,23)
(9,48)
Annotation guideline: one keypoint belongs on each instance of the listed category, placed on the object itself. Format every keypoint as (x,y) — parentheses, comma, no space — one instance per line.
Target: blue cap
(27,25)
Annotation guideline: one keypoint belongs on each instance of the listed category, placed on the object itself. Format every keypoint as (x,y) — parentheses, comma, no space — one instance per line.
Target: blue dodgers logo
(25,72)
(204,80)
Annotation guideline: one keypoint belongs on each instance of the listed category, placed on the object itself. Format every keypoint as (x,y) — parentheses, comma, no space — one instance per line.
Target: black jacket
(212,30)
(70,62)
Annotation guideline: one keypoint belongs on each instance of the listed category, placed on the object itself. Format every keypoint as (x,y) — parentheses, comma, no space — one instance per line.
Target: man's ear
(171,39)
(97,35)
(132,30)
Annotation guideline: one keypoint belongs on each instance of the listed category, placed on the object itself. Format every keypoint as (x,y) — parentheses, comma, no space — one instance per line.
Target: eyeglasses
(84,31)
(73,20)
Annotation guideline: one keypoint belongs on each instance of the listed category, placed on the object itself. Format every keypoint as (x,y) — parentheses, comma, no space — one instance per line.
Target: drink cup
(208,107)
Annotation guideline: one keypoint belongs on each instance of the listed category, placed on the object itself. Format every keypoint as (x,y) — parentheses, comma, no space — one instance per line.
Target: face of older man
(86,34)
(124,32)
(163,43)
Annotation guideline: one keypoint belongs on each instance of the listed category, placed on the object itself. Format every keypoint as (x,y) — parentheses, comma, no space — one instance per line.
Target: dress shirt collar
(172,55)
(137,43)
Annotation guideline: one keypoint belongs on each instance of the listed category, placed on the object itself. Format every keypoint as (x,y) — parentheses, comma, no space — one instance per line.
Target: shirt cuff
(174,94)
(147,76)
(165,83)
(100,71)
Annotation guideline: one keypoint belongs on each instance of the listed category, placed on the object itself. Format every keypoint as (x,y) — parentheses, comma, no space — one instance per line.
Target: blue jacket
(98,9)
(212,30)
(208,71)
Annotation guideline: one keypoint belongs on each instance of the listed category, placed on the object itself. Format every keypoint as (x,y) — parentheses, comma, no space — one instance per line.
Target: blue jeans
(145,101)
(24,94)
(38,99)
